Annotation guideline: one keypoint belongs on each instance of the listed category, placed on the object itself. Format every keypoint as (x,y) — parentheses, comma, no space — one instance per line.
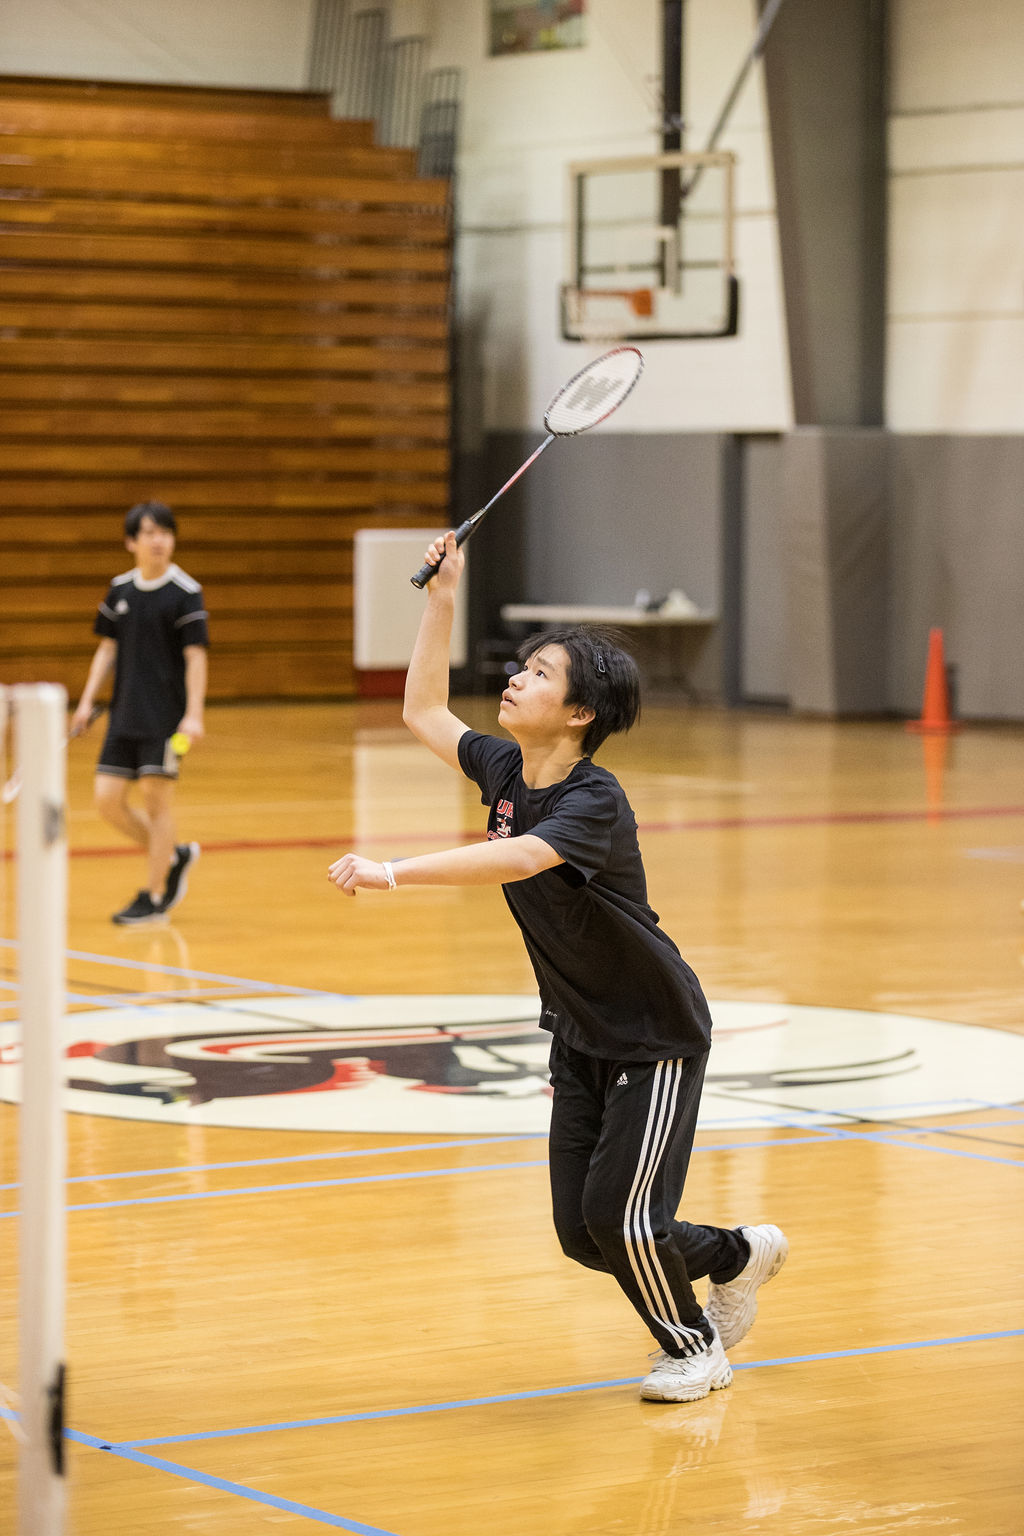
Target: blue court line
(975,1125)
(140,1002)
(176,970)
(279,1189)
(953,1127)
(535,1393)
(891,1139)
(143,999)
(874,1112)
(224,1485)
(809,1119)
(382,1178)
(901,1138)
(836,1135)
(140,999)
(828,1133)
(131,1450)
(799,1121)
(297,1157)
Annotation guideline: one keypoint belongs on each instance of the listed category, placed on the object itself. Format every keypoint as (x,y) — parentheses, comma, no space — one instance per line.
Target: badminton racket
(12,788)
(589,397)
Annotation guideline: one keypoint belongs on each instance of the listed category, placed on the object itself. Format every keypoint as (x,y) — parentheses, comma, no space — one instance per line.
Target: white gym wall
(955,357)
(956,288)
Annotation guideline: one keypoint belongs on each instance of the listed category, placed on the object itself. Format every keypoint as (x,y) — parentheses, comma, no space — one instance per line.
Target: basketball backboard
(651,248)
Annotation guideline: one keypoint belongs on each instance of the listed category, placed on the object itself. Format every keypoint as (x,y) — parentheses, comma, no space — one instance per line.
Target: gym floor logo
(478,1064)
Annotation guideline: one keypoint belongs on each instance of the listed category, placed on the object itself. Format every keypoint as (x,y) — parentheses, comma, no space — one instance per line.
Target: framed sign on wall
(529,26)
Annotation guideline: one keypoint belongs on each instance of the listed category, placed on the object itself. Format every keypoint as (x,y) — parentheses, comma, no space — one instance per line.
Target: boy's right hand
(351,873)
(82,718)
(450,569)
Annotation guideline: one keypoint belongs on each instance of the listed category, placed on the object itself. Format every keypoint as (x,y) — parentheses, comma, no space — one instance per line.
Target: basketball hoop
(604,314)
(650,255)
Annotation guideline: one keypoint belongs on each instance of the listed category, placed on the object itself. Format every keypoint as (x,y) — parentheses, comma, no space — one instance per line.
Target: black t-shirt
(611,982)
(152,622)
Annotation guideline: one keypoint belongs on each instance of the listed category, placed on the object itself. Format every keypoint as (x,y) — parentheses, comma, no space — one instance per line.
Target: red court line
(833,818)
(345,841)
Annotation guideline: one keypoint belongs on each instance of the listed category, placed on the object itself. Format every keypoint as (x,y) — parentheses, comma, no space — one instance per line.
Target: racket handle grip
(462,533)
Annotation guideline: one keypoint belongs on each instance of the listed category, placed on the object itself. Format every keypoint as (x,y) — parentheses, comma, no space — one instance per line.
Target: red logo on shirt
(504,811)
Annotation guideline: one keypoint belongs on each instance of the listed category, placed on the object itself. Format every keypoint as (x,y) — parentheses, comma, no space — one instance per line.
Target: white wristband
(389,875)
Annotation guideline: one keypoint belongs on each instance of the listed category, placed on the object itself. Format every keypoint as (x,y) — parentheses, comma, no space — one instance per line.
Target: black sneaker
(142,910)
(185,855)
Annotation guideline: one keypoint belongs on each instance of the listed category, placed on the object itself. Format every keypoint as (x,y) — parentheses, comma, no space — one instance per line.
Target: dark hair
(602,676)
(157,510)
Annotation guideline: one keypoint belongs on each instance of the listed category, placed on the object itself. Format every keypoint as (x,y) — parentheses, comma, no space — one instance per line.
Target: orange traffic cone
(935,707)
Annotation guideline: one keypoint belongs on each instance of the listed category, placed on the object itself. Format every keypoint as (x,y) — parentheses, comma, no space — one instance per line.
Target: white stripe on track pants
(621,1137)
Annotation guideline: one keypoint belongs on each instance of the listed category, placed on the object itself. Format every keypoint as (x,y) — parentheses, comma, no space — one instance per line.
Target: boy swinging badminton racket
(630,1024)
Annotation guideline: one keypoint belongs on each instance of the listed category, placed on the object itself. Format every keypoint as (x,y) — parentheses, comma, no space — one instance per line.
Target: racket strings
(592,394)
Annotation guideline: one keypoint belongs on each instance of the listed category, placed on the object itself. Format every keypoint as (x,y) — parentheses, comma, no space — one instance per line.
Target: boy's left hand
(192,727)
(350,873)
(452,562)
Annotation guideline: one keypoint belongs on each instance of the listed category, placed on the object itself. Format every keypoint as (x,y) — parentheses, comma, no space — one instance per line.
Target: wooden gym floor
(376,1333)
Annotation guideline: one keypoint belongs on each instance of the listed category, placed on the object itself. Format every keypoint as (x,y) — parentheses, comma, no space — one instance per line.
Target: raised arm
(426,711)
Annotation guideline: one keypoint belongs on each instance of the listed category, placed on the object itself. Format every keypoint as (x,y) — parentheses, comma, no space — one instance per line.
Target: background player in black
(630,1022)
(153,631)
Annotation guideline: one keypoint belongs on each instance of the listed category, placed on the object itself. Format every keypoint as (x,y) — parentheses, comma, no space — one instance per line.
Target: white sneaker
(732,1307)
(684,1379)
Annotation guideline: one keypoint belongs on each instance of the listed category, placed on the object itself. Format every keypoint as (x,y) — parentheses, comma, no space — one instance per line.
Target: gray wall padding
(854,543)
(764,672)
(608,515)
(952,539)
(957,535)
(836,557)
(825,73)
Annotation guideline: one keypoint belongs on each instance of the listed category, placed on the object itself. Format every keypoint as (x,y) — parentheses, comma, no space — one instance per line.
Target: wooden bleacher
(233,303)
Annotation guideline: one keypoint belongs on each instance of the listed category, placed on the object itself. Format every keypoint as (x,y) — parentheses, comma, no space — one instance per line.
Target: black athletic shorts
(138,757)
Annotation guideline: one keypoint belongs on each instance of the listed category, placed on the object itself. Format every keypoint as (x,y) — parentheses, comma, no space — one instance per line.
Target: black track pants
(621,1136)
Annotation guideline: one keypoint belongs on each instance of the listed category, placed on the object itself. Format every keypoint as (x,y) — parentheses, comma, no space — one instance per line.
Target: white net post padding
(40,715)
